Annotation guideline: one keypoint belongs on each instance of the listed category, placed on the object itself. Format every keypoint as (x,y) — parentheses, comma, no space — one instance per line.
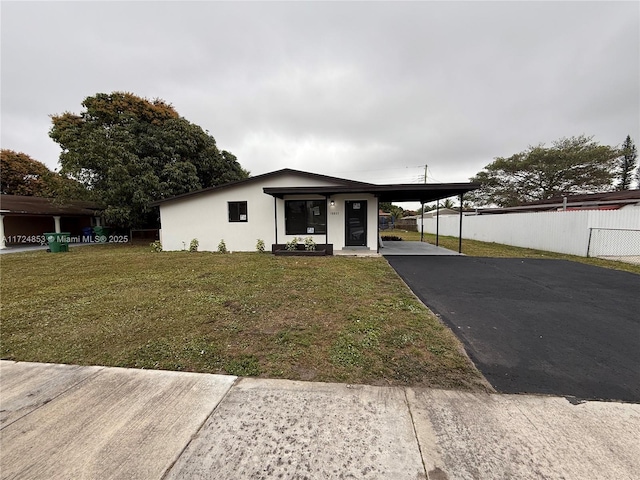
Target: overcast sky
(371,91)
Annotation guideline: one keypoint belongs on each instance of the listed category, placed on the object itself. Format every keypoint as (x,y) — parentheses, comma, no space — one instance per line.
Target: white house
(279,206)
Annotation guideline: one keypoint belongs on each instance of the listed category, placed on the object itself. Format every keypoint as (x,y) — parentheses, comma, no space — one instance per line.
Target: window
(237,211)
(305,217)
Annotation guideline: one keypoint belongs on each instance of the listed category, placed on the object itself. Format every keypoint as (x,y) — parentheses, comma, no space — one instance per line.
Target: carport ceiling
(411,192)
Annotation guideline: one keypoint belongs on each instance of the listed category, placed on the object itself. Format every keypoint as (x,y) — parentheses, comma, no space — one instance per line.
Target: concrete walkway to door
(413,248)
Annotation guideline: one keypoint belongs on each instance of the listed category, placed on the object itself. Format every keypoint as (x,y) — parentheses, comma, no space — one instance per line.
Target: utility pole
(422,209)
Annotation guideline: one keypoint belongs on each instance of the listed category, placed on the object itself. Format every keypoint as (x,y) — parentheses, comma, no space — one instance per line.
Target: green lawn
(475,248)
(312,318)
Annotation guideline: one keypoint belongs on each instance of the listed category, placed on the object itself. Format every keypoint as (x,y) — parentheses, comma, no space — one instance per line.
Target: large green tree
(22,175)
(627,163)
(130,151)
(569,166)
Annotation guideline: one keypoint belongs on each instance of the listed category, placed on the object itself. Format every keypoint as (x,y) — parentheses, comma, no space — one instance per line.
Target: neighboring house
(588,201)
(23,220)
(441,212)
(385,220)
(279,206)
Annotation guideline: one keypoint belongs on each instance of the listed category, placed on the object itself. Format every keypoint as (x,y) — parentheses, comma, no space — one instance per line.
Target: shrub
(293,244)
(260,246)
(156,246)
(222,247)
(193,246)
(391,238)
(309,244)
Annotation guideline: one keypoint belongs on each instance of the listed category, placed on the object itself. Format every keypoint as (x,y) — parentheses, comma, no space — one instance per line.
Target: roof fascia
(283,171)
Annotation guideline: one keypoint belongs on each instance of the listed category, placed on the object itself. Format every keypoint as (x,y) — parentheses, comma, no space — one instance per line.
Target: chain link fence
(615,244)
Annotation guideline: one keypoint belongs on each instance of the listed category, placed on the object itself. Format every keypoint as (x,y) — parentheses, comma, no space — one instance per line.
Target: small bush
(309,244)
(391,238)
(193,246)
(222,247)
(260,246)
(156,246)
(293,244)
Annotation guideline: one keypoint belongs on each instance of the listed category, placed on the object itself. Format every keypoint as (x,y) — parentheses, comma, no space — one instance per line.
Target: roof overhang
(411,192)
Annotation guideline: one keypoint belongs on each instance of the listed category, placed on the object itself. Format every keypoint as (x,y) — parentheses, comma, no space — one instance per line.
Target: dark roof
(284,171)
(591,197)
(609,200)
(22,205)
(411,192)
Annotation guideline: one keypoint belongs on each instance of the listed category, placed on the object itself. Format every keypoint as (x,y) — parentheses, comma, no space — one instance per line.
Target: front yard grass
(331,319)
(475,248)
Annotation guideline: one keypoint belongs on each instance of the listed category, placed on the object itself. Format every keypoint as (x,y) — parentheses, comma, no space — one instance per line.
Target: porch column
(2,243)
(275,214)
(97,221)
(327,208)
(56,220)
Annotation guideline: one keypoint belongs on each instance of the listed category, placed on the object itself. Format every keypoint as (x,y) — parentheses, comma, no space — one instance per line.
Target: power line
(376,169)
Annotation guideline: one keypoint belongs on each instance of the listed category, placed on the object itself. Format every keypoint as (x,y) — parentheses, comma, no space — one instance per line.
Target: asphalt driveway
(537,325)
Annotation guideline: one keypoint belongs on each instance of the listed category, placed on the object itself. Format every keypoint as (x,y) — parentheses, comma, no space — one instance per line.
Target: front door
(356,223)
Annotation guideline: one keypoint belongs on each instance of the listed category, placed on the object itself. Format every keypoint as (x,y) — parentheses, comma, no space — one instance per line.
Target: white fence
(562,231)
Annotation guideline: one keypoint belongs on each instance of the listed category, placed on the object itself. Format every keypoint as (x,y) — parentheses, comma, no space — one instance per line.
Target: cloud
(365,90)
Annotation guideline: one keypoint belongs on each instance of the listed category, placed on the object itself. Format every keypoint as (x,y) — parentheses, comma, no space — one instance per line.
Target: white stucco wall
(336,220)
(560,231)
(205,217)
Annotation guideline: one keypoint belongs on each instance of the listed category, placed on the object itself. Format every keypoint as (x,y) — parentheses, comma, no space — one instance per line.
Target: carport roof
(403,192)
(25,205)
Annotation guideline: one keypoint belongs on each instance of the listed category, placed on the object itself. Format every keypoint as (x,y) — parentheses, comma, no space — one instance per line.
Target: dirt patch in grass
(331,319)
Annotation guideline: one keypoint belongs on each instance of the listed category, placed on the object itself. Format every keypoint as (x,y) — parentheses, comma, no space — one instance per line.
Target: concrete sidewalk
(64,421)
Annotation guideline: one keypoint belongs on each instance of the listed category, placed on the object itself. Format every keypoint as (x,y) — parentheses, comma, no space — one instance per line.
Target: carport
(24,220)
(425,193)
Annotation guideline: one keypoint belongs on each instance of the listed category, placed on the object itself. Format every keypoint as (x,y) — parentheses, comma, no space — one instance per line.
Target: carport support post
(56,220)
(2,242)
(437,223)
(460,231)
(422,221)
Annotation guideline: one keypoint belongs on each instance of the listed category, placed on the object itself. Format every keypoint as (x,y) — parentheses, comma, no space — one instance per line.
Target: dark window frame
(294,224)
(236,210)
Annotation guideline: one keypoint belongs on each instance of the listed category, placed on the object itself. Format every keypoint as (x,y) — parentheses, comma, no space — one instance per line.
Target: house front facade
(278,207)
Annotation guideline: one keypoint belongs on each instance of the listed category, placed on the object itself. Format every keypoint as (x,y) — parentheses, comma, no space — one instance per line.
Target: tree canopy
(572,165)
(23,175)
(130,151)
(627,163)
